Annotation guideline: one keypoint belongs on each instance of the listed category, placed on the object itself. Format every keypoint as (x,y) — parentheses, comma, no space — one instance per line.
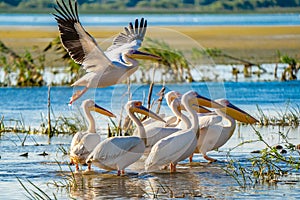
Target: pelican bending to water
(83,143)
(213,136)
(181,144)
(103,68)
(117,153)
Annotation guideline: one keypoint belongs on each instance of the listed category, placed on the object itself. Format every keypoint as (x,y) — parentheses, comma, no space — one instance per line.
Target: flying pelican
(181,144)
(103,68)
(117,153)
(83,143)
(213,136)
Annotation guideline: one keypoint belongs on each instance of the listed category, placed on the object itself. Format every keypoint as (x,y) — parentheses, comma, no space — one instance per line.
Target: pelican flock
(163,140)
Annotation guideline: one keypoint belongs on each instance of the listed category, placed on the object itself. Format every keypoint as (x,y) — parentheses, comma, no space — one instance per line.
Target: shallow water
(199,180)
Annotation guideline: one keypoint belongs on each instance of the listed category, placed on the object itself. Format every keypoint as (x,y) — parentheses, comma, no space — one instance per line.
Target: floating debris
(43,154)
(283,151)
(278,147)
(24,154)
(256,151)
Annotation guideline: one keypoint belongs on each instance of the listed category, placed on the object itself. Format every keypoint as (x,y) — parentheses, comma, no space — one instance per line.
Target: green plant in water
(267,166)
(36,193)
(289,116)
(290,72)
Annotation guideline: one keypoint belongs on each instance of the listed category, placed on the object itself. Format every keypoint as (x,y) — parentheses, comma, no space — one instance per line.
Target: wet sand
(256,43)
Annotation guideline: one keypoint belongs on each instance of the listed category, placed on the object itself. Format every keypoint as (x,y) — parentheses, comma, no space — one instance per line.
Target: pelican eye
(138,104)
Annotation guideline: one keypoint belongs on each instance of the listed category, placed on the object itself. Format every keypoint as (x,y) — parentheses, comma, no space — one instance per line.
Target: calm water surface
(159,19)
(200,180)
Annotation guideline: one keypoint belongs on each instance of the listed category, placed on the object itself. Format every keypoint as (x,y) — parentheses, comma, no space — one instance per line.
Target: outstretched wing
(81,46)
(133,36)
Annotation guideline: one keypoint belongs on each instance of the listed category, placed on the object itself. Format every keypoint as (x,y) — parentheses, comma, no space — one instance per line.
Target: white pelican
(158,130)
(103,68)
(173,120)
(181,144)
(117,153)
(212,135)
(83,143)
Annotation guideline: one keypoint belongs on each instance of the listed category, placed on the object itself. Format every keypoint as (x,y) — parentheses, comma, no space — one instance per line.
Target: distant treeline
(156,5)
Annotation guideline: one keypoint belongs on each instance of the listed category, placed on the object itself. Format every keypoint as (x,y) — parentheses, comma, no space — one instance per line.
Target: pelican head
(135,54)
(170,96)
(137,106)
(92,106)
(235,112)
(197,99)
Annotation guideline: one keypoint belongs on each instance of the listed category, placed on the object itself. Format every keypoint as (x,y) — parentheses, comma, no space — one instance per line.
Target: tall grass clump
(289,116)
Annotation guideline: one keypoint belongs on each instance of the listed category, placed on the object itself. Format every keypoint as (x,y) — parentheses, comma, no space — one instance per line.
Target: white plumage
(117,153)
(83,143)
(181,144)
(103,68)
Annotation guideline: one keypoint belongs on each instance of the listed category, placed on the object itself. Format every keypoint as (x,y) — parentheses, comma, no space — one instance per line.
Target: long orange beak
(238,114)
(101,110)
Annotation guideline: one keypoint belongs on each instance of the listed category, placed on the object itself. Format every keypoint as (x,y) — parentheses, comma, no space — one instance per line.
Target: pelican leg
(209,158)
(77,95)
(121,172)
(191,158)
(172,167)
(89,166)
(76,167)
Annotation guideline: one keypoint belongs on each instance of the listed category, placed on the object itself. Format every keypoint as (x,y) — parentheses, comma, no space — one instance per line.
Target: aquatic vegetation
(292,68)
(174,65)
(214,52)
(21,70)
(289,116)
(36,193)
(268,165)
(60,125)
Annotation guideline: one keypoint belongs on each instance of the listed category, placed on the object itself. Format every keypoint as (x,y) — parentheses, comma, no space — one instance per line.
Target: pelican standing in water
(83,143)
(181,144)
(156,130)
(213,136)
(103,68)
(117,153)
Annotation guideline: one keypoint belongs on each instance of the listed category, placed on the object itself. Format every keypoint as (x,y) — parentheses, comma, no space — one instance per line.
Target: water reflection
(199,180)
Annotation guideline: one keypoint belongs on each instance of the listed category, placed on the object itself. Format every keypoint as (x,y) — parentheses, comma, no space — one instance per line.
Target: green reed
(35,193)
(289,116)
